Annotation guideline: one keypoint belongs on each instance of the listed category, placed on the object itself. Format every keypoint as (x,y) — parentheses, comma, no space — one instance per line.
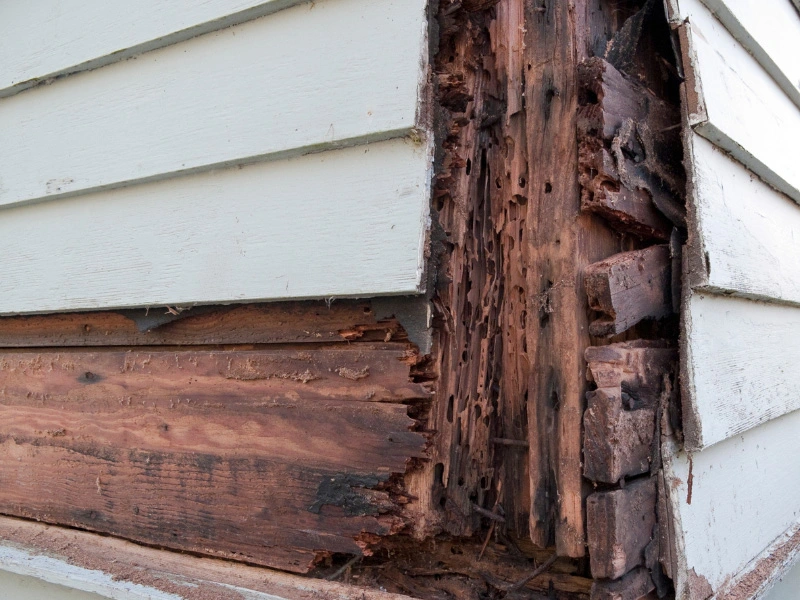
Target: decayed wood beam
(279,323)
(620,526)
(630,153)
(636,585)
(275,456)
(634,379)
(629,287)
(617,441)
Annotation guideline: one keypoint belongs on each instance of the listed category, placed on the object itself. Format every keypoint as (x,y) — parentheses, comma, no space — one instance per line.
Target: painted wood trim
(52,38)
(345,223)
(741,366)
(125,571)
(235,96)
(770,31)
(734,505)
(740,108)
(749,234)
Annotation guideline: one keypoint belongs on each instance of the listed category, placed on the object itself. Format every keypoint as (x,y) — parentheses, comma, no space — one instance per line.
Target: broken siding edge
(123,570)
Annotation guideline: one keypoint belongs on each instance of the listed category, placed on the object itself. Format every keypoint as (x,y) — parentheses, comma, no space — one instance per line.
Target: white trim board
(740,107)
(327,74)
(343,223)
(748,233)
(734,504)
(770,31)
(51,38)
(741,366)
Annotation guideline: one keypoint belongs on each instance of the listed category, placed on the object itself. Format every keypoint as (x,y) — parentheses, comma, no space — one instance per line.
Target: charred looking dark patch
(90,377)
(343,491)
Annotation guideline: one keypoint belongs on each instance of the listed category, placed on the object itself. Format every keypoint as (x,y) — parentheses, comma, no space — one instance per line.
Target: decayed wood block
(629,287)
(636,585)
(620,525)
(617,441)
(274,456)
(638,367)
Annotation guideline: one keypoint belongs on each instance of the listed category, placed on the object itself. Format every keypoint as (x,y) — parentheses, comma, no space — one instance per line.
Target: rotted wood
(636,585)
(629,287)
(630,148)
(620,524)
(278,323)
(636,381)
(276,457)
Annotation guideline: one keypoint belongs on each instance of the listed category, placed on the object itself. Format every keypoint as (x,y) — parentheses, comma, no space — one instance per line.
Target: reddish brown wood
(620,525)
(274,456)
(639,367)
(636,585)
(618,442)
(279,323)
(629,287)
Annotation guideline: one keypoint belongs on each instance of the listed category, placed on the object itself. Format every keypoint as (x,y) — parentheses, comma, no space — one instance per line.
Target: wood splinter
(629,287)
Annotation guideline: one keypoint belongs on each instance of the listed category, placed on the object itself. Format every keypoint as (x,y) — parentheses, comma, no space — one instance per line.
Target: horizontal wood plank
(741,366)
(348,222)
(50,38)
(731,502)
(749,232)
(276,323)
(740,108)
(122,570)
(770,32)
(270,456)
(243,94)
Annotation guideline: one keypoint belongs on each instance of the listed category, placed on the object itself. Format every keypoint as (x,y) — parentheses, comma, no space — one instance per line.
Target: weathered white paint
(743,503)
(348,222)
(742,366)
(744,111)
(324,74)
(50,38)
(20,587)
(749,233)
(770,31)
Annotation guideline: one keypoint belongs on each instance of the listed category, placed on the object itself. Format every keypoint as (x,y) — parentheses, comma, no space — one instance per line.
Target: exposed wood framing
(274,454)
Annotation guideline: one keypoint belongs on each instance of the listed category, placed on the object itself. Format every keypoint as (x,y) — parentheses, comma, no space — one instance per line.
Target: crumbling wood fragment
(636,585)
(629,153)
(620,525)
(617,440)
(271,456)
(638,367)
(629,287)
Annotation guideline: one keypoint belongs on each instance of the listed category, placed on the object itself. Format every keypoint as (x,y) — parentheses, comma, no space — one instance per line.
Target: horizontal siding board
(742,360)
(745,112)
(243,94)
(48,38)
(750,233)
(732,501)
(770,31)
(348,222)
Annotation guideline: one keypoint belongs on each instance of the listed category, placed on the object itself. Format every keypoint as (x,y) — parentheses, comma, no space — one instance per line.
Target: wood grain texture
(734,505)
(56,37)
(629,287)
(747,233)
(740,108)
(126,571)
(620,525)
(770,32)
(269,456)
(266,231)
(276,323)
(239,95)
(741,361)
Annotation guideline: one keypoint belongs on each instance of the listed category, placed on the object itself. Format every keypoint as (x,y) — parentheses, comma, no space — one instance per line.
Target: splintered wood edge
(126,571)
